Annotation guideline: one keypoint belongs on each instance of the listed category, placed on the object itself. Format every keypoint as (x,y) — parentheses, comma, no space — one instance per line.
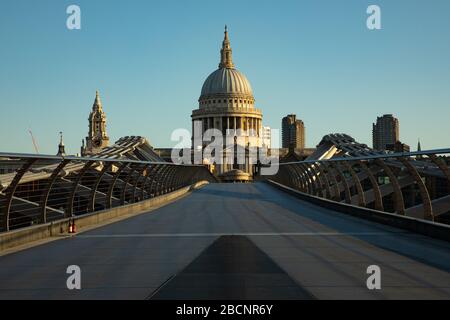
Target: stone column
(218,123)
(224,161)
(192,134)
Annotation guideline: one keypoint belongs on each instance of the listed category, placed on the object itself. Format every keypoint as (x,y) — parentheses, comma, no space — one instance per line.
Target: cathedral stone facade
(97,138)
(226,103)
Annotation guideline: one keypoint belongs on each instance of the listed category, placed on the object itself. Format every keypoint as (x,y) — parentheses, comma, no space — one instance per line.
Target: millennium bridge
(139,227)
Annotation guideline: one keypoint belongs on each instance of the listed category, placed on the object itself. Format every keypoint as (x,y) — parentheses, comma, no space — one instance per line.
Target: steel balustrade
(414,184)
(42,189)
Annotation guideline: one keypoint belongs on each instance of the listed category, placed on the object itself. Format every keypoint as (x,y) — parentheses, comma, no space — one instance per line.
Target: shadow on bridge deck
(232,268)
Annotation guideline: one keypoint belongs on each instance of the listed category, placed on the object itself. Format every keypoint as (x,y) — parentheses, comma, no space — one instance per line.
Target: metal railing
(40,189)
(415,184)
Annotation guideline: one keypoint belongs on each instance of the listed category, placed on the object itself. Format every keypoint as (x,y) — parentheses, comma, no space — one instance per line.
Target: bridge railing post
(48,188)
(326,182)
(428,207)
(378,198)
(398,196)
(140,177)
(10,191)
(337,192)
(71,200)
(149,176)
(357,183)
(133,168)
(108,201)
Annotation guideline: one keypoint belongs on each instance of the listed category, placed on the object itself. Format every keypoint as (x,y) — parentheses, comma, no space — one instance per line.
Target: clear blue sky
(149,59)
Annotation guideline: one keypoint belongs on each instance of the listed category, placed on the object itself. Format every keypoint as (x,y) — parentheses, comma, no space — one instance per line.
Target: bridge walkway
(233,241)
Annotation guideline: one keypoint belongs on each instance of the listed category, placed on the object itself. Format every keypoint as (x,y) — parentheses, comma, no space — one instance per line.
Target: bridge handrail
(9,155)
(373,157)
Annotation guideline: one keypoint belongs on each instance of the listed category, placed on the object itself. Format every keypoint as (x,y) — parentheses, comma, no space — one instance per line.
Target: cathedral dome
(227,105)
(227,81)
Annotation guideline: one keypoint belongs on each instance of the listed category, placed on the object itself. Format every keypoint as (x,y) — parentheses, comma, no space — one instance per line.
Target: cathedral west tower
(97,138)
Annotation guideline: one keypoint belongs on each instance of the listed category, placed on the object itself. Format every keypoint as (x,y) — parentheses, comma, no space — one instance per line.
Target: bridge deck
(281,248)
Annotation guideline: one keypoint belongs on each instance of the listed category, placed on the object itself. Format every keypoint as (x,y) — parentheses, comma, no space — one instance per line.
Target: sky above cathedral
(149,59)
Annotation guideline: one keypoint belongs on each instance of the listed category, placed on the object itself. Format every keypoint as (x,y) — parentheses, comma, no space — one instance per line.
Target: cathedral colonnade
(250,126)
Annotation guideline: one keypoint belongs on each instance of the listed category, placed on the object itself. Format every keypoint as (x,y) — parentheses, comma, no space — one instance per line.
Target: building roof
(226,81)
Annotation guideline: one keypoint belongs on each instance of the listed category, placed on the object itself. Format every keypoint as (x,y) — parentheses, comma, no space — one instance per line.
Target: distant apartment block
(385,132)
(293,132)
